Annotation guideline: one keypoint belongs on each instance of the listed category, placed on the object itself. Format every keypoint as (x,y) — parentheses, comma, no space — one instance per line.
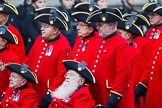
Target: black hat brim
(15,67)
(8,8)
(46,18)
(104,15)
(11,38)
(141,19)
(86,6)
(82,16)
(149,7)
(134,29)
(85,73)
(48,10)
(158,10)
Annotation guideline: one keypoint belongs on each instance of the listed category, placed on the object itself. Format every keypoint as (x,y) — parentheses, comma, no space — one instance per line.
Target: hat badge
(127,27)
(51,22)
(1,7)
(81,66)
(134,17)
(129,22)
(103,18)
(24,68)
(91,9)
(53,16)
(92,5)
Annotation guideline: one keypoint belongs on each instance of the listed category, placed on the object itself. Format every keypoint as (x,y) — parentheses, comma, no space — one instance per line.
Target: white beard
(65,89)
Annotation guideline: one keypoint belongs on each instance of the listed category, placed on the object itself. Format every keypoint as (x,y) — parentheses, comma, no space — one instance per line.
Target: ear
(56,30)
(4,41)
(129,35)
(91,29)
(24,81)
(81,81)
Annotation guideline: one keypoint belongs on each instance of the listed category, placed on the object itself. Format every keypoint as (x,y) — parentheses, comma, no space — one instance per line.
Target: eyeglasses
(152,14)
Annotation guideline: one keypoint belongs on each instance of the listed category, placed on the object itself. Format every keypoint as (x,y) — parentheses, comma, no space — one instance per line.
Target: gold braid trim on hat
(144,18)
(12,7)
(157,8)
(15,38)
(63,22)
(40,15)
(148,4)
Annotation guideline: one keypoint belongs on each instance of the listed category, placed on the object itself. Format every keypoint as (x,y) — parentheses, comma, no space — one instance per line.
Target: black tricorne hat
(52,19)
(158,10)
(150,6)
(8,8)
(80,68)
(82,16)
(6,34)
(105,15)
(23,70)
(87,6)
(129,26)
(138,18)
(48,10)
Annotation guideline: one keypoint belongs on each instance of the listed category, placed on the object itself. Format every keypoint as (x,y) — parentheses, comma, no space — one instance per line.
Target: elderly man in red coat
(49,50)
(141,42)
(151,80)
(87,39)
(155,18)
(6,55)
(6,9)
(19,94)
(73,93)
(128,30)
(112,64)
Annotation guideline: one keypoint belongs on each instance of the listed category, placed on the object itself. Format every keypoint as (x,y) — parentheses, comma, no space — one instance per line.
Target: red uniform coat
(22,98)
(83,48)
(79,99)
(137,65)
(112,70)
(137,68)
(45,59)
(19,48)
(152,77)
(154,33)
(145,46)
(6,56)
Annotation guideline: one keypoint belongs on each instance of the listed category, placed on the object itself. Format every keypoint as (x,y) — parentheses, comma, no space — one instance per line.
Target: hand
(113,100)
(45,101)
(140,90)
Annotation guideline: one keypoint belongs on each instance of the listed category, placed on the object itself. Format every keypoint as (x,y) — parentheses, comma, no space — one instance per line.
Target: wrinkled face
(47,31)
(102,3)
(83,29)
(40,4)
(72,76)
(3,18)
(103,29)
(68,3)
(16,80)
(154,18)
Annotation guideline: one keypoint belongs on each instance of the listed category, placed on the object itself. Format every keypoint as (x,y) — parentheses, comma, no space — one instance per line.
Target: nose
(10,77)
